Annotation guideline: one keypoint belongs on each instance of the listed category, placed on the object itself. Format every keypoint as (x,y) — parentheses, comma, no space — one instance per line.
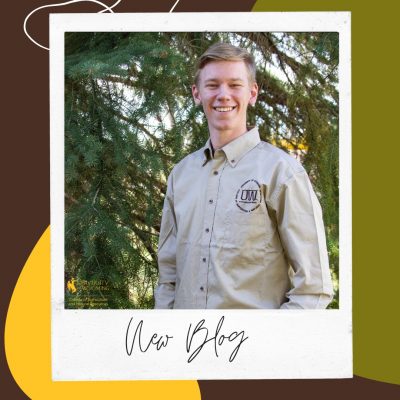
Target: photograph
(201,191)
(201,170)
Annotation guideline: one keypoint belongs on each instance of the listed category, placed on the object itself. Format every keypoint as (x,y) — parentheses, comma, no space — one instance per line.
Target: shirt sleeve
(165,292)
(302,233)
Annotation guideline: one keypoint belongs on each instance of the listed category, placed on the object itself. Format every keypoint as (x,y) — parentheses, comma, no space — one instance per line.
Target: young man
(239,212)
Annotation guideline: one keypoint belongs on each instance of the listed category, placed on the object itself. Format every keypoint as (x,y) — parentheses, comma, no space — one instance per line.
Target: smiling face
(224,90)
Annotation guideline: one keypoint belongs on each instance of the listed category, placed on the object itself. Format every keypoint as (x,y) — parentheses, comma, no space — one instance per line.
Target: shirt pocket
(247,231)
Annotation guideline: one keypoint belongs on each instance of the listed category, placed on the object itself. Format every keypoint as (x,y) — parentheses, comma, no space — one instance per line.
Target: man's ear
(196,95)
(253,94)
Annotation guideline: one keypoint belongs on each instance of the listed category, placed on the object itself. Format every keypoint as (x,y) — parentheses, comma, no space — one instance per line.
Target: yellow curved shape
(27,345)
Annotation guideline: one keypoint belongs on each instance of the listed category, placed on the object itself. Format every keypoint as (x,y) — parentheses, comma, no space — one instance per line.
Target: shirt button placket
(211,191)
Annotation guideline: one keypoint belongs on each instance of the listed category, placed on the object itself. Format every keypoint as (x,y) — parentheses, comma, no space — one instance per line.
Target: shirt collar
(235,150)
(207,152)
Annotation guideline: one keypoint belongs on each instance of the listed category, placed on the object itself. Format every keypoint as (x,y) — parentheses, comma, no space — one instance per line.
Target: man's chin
(223,127)
(225,123)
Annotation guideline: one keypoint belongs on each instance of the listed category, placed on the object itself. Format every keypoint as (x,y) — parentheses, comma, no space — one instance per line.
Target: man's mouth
(224,109)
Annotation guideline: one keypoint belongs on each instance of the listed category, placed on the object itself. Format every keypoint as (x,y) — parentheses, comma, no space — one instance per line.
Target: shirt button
(201,288)
(232,161)
(215,172)
(204,259)
(211,201)
(207,230)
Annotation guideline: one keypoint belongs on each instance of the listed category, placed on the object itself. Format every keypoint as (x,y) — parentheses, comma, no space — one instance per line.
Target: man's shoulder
(279,158)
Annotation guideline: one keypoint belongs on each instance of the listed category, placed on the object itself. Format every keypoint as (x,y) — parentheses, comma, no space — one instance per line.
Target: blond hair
(226,52)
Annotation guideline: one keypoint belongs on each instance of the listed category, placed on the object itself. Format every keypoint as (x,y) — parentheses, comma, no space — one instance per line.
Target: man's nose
(223,93)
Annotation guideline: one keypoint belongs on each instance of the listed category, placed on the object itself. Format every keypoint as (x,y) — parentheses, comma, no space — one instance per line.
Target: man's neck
(221,138)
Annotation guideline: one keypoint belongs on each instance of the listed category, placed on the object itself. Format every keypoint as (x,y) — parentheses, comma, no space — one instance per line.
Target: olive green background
(375,155)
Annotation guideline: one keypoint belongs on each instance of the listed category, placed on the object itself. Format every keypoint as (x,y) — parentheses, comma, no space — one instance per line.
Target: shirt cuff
(164,296)
(307,301)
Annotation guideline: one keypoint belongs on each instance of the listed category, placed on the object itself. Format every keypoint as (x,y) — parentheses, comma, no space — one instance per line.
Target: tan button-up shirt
(234,223)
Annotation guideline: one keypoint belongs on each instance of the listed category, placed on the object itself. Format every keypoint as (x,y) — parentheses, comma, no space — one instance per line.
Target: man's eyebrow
(230,80)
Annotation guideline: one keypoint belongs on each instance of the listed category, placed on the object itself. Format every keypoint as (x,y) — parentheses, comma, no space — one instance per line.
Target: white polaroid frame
(95,344)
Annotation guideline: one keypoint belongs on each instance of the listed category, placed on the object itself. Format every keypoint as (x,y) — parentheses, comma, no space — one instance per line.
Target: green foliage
(129,117)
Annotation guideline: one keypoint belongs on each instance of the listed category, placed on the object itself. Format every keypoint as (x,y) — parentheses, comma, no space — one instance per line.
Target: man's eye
(210,85)
(236,85)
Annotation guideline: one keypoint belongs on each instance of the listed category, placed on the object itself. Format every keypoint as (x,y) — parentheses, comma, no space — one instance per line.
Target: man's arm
(165,292)
(301,229)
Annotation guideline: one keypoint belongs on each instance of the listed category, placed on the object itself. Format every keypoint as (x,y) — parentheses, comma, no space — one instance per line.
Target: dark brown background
(26,191)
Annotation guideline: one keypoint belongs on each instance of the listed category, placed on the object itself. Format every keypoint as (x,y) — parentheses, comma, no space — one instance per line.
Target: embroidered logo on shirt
(248,197)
